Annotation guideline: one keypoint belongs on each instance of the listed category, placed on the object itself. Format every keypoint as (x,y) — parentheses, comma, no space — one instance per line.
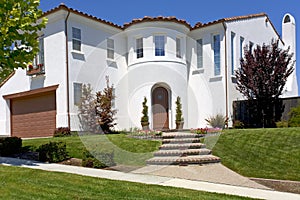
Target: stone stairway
(182,149)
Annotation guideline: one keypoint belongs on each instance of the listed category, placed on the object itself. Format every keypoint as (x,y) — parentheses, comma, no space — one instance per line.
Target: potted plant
(145,118)
(179,118)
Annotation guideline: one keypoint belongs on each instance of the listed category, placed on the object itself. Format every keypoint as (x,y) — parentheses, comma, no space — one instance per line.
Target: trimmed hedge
(62,132)
(10,146)
(53,152)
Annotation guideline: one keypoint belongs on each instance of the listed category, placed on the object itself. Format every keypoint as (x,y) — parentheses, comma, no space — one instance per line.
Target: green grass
(128,151)
(22,183)
(264,153)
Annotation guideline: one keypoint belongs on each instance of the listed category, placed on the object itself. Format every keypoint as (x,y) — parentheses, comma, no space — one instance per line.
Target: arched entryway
(160,108)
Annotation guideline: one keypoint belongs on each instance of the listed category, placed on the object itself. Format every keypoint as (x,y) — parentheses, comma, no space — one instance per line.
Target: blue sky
(193,11)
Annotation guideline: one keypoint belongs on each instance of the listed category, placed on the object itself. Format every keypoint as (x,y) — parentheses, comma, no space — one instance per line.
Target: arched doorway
(160,108)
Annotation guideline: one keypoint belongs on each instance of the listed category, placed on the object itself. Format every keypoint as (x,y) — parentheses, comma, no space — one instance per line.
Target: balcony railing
(35,70)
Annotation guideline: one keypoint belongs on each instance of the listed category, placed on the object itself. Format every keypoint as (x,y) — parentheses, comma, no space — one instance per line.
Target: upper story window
(77,93)
(217,56)
(159,41)
(200,53)
(39,59)
(76,39)
(251,44)
(241,47)
(139,48)
(110,48)
(232,52)
(178,48)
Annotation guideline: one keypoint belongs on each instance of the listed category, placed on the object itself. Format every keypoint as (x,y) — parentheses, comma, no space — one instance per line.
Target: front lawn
(263,153)
(22,183)
(128,151)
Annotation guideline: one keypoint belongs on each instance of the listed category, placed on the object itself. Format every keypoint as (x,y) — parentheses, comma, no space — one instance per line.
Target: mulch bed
(280,185)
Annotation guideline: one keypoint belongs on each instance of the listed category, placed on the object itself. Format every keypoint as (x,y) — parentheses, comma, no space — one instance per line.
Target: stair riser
(183,136)
(181,154)
(183,163)
(182,148)
(180,141)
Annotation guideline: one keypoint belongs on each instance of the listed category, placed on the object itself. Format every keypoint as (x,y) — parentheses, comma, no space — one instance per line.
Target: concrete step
(186,152)
(175,160)
(182,146)
(180,140)
(180,135)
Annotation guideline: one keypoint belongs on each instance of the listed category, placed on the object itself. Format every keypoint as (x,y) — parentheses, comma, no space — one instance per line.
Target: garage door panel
(34,116)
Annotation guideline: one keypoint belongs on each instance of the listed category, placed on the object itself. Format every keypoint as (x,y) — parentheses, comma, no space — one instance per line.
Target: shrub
(53,152)
(97,159)
(282,124)
(218,121)
(10,146)
(294,120)
(62,132)
(199,130)
(238,124)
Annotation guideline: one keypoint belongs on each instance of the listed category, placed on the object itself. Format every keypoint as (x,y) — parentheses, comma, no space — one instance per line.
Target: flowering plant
(199,130)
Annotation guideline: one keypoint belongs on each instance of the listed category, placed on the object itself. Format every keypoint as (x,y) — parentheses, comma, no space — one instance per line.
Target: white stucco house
(155,57)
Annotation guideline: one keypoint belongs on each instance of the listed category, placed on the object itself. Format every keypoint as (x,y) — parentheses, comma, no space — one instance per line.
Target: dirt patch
(280,185)
(72,161)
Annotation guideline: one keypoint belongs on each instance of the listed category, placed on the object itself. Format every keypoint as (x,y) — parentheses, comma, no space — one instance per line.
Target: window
(251,44)
(199,53)
(113,101)
(287,19)
(232,52)
(139,48)
(178,48)
(76,39)
(39,59)
(110,48)
(241,46)
(217,58)
(159,41)
(77,93)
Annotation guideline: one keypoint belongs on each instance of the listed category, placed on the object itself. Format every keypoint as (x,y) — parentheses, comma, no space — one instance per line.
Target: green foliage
(179,117)
(53,152)
(104,109)
(217,121)
(87,115)
(10,146)
(62,132)
(294,120)
(20,22)
(97,159)
(238,124)
(145,117)
(282,124)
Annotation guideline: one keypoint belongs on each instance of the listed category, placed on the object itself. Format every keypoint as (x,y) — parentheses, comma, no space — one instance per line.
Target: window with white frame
(110,46)
(76,39)
(199,53)
(178,48)
(217,56)
(241,47)
(232,39)
(139,48)
(77,93)
(159,41)
(39,59)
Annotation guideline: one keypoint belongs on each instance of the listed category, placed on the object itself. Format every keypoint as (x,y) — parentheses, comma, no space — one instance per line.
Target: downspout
(67,70)
(226,74)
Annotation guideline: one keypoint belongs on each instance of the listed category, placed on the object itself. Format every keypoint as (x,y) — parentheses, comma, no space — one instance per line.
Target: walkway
(154,180)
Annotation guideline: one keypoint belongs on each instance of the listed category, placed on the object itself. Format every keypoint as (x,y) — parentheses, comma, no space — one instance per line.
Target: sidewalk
(154,180)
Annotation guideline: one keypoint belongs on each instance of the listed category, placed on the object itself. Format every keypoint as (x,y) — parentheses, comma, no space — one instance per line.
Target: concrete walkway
(154,180)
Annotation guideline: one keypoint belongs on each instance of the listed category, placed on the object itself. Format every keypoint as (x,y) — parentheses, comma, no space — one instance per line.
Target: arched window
(287,19)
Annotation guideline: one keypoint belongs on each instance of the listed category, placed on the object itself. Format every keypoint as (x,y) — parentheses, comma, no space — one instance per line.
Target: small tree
(145,117)
(179,118)
(20,21)
(87,115)
(294,114)
(262,78)
(103,108)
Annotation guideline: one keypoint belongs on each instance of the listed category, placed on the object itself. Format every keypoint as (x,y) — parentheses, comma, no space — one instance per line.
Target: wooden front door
(160,108)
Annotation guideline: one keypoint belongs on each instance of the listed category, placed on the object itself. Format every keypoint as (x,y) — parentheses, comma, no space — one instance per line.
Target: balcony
(38,69)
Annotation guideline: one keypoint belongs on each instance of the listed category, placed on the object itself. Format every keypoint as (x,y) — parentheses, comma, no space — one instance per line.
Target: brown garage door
(33,115)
